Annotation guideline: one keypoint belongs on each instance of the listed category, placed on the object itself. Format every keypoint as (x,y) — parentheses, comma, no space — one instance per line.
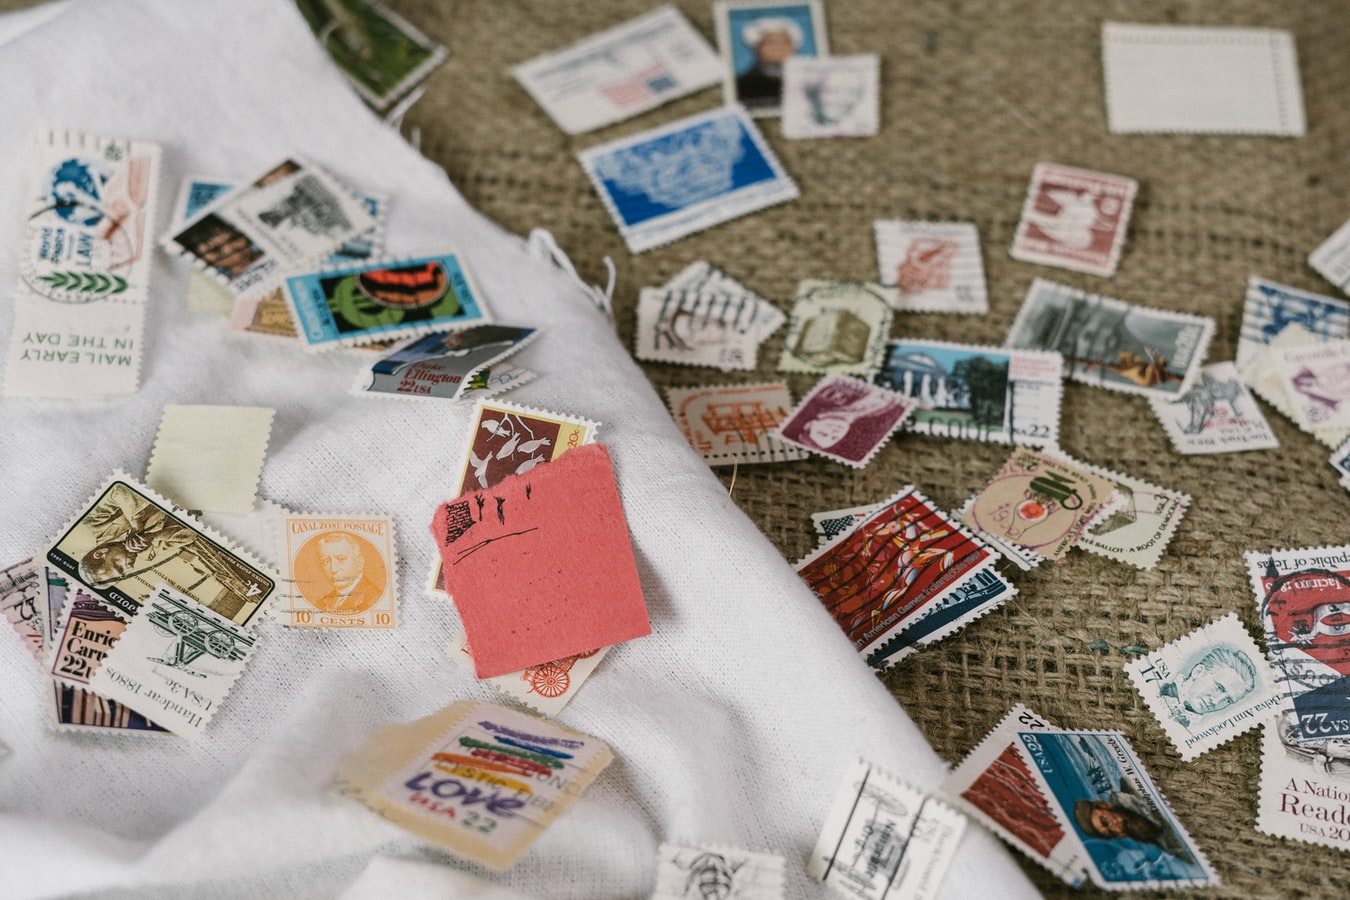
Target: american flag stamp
(1074,219)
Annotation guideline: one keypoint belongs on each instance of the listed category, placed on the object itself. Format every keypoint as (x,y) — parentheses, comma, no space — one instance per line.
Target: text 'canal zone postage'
(934,266)
(341,571)
(1074,219)
(84,268)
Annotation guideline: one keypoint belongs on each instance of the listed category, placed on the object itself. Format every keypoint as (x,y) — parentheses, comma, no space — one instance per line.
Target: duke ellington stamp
(934,266)
(845,419)
(757,37)
(735,423)
(445,364)
(1270,307)
(678,179)
(1331,259)
(1217,415)
(834,96)
(690,871)
(1317,382)
(1074,219)
(837,327)
(341,571)
(1207,687)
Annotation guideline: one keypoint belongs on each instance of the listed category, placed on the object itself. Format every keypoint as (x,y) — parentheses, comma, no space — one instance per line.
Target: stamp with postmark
(703,328)
(980,393)
(831,96)
(756,39)
(831,523)
(735,423)
(934,266)
(1270,307)
(845,419)
(1074,219)
(1263,375)
(1113,344)
(688,871)
(444,364)
(545,688)
(678,179)
(1331,258)
(22,604)
(837,327)
(341,571)
(1206,687)
(1217,415)
(1316,380)
(1305,787)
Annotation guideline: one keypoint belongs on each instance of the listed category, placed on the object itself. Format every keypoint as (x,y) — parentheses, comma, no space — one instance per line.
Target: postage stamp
(1340,459)
(1139,528)
(703,328)
(831,96)
(376,301)
(1263,375)
(689,871)
(341,571)
(22,604)
(884,838)
(1074,219)
(621,71)
(837,327)
(904,559)
(205,296)
(1217,415)
(210,457)
(834,522)
(978,393)
(176,662)
(645,183)
(1331,259)
(84,267)
(1304,787)
(934,266)
(444,364)
(1039,502)
(545,688)
(1317,382)
(1206,687)
(845,419)
(982,593)
(87,632)
(1113,344)
(756,38)
(734,423)
(1270,307)
(1099,790)
(128,541)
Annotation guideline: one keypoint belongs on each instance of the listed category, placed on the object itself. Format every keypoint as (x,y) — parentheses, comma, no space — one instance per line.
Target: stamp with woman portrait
(846,419)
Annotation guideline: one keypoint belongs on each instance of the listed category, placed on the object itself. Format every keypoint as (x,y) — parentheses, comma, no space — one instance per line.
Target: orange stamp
(340,571)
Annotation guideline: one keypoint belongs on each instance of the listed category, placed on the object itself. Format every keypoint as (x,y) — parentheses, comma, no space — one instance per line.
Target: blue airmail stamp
(671,182)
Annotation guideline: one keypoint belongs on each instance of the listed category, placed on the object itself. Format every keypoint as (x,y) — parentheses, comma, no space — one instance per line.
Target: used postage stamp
(831,96)
(903,560)
(982,393)
(1100,793)
(703,328)
(644,179)
(1331,259)
(689,871)
(128,541)
(1207,687)
(1113,344)
(620,72)
(445,364)
(21,603)
(1217,415)
(845,419)
(934,266)
(83,638)
(544,688)
(1039,502)
(84,267)
(1269,308)
(1317,382)
(210,457)
(1074,219)
(834,522)
(1304,786)
(1139,528)
(757,37)
(735,423)
(884,838)
(983,592)
(837,327)
(1263,375)
(341,571)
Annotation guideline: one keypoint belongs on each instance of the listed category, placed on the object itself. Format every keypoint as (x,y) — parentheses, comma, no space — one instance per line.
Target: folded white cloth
(731,723)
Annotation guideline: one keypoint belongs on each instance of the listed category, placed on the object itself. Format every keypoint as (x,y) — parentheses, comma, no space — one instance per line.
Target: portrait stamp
(644,179)
(128,541)
(703,328)
(444,364)
(1138,529)
(1207,687)
(832,96)
(978,393)
(1074,219)
(982,593)
(1270,307)
(545,688)
(689,871)
(1316,380)
(1217,415)
(756,38)
(1113,344)
(934,266)
(1039,502)
(1099,791)
(377,301)
(621,71)
(341,571)
(734,423)
(884,838)
(22,604)
(1331,259)
(845,419)
(1305,786)
(205,296)
(837,327)
(901,561)
(1263,375)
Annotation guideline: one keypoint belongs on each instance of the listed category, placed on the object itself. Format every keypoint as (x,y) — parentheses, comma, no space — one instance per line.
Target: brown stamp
(509,439)
(340,570)
(1074,219)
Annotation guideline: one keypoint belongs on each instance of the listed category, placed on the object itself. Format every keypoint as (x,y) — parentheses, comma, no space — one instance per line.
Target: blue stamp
(673,181)
(1270,308)
(984,591)
(376,301)
(1101,792)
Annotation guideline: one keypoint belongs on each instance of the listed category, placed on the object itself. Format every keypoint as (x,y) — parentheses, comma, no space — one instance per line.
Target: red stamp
(927,265)
(1074,219)
(846,419)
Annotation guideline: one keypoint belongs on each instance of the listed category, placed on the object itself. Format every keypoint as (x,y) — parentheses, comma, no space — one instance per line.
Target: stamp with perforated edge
(1217,415)
(1262,374)
(545,688)
(934,266)
(831,96)
(1317,382)
(703,328)
(1270,307)
(688,870)
(734,423)
(1305,787)
(341,571)
(1331,258)
(1206,687)
(831,523)
(837,327)
(1074,219)
(977,596)
(846,419)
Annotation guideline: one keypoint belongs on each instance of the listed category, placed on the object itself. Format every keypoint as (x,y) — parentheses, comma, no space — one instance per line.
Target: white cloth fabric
(732,722)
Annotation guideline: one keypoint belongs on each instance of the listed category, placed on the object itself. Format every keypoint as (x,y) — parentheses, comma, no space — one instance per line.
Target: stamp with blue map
(676,180)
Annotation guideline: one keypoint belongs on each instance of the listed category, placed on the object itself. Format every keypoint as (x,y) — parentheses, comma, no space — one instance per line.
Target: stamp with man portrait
(756,38)
(846,419)
(1206,687)
(1074,219)
(341,571)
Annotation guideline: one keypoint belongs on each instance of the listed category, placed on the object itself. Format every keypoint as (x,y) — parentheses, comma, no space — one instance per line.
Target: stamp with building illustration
(846,419)
(1269,308)
(1207,687)
(1074,219)
(1217,415)
(833,96)
(340,571)
(756,38)
(934,266)
(837,327)
(735,423)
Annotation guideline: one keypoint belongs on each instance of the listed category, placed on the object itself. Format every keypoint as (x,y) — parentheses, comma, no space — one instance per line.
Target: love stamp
(1207,687)
(934,266)
(735,423)
(834,96)
(756,39)
(1110,343)
(693,870)
(977,393)
(644,181)
(845,419)
(1270,307)
(837,327)
(341,571)
(1217,415)
(1074,219)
